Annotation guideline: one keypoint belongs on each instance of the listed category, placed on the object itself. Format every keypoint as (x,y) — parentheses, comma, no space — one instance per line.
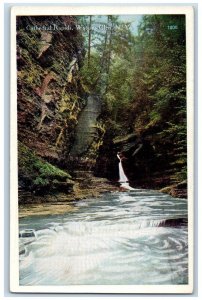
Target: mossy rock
(37,175)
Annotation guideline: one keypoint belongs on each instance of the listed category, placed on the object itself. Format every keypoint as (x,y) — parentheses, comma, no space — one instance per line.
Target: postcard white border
(101,10)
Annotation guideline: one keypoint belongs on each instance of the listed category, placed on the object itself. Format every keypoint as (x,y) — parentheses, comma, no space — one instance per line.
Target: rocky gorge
(67,140)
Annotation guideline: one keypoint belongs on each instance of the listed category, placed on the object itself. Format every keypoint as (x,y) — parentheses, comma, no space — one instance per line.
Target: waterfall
(122,176)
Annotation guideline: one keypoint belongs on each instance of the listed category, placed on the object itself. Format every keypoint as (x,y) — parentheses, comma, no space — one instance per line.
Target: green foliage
(47,170)
(91,74)
(160,91)
(108,51)
(119,87)
(142,80)
(35,172)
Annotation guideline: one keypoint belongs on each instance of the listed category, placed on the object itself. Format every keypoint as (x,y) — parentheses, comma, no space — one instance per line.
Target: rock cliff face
(50,99)
(86,128)
(89,134)
(50,94)
(58,127)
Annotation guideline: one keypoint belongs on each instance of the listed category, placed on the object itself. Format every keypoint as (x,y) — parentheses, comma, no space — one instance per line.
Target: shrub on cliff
(39,176)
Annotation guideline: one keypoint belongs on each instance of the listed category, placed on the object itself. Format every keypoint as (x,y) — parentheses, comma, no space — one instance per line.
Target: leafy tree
(142,81)
(159,86)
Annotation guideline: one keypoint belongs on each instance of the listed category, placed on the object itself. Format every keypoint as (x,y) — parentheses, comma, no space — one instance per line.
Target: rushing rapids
(134,237)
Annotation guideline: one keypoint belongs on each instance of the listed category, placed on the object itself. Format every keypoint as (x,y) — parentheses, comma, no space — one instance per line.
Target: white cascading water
(120,238)
(122,176)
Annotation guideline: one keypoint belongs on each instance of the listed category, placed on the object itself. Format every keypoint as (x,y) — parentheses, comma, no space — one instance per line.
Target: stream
(134,237)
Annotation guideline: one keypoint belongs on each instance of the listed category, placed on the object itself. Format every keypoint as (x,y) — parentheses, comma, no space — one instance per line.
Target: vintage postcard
(102,149)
